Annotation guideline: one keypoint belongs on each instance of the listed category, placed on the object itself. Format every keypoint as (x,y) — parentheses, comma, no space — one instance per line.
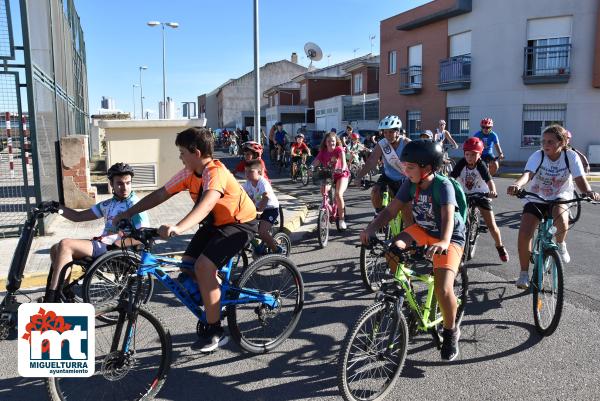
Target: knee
(64,245)
(445,291)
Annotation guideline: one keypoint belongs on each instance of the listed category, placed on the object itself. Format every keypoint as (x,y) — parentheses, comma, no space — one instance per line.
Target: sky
(214,42)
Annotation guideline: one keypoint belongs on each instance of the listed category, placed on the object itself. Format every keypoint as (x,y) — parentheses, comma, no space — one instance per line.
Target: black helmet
(423,152)
(119,169)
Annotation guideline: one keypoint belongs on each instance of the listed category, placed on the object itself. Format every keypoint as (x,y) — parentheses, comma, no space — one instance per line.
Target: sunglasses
(486,127)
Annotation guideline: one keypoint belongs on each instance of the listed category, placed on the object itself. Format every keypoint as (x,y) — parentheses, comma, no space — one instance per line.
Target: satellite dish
(313,52)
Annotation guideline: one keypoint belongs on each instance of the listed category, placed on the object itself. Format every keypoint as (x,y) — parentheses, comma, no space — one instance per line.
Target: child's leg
(444,293)
(490,222)
(340,188)
(529,223)
(264,234)
(560,213)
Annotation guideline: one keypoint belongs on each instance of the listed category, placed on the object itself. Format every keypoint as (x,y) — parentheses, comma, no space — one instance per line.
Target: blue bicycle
(133,348)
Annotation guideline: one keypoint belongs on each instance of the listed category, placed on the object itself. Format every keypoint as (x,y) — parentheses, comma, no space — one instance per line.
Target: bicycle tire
(323,227)
(107,381)
(473,233)
(555,287)
(304,175)
(282,239)
(361,336)
(461,291)
(239,266)
(574,209)
(254,333)
(373,272)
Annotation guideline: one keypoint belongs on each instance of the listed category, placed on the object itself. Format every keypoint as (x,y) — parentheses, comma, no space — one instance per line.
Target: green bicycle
(372,272)
(374,350)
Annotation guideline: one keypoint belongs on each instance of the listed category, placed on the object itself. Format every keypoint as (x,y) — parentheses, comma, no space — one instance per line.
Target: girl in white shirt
(551,171)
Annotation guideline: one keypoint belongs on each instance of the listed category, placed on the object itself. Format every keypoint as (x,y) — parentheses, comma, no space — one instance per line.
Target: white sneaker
(523,280)
(343,225)
(562,251)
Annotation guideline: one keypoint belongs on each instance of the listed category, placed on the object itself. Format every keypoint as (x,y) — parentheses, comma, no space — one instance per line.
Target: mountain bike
(473,225)
(547,285)
(328,212)
(302,170)
(372,270)
(374,350)
(134,350)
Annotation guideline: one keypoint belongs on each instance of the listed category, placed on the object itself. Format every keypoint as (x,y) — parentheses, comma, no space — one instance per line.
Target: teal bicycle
(547,281)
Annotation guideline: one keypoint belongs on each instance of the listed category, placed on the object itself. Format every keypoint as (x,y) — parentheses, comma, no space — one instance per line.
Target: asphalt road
(502,356)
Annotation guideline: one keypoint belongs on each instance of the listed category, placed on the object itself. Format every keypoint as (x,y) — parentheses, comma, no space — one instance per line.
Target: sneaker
(523,280)
(450,338)
(280,250)
(343,225)
(562,251)
(213,338)
(502,253)
(261,249)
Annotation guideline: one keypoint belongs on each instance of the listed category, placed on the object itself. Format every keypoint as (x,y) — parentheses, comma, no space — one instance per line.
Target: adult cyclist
(442,135)
(280,137)
(490,142)
(389,149)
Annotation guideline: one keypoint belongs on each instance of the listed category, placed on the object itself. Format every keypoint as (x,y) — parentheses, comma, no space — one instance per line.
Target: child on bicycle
(490,142)
(551,171)
(251,151)
(473,175)
(119,176)
(584,160)
(227,214)
(331,155)
(299,152)
(436,225)
(280,137)
(355,150)
(261,192)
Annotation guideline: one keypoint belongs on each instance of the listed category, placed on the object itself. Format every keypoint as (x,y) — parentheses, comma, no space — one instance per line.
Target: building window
(536,117)
(392,62)
(358,83)
(276,99)
(414,123)
(458,123)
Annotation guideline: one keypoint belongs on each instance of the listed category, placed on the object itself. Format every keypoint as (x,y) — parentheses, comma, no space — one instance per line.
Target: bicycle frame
(396,223)
(542,242)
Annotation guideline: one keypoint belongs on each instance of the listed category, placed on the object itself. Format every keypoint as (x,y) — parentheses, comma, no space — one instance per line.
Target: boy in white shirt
(261,192)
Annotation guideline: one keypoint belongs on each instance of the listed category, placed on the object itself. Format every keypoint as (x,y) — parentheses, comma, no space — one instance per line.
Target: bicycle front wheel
(373,269)
(547,293)
(473,233)
(304,175)
(323,227)
(136,374)
(257,327)
(373,354)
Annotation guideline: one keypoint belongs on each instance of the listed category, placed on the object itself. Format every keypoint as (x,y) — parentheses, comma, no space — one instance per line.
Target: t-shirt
(280,137)
(325,157)
(110,208)
(241,168)
(488,142)
(426,217)
(553,179)
(473,180)
(256,192)
(234,206)
(297,149)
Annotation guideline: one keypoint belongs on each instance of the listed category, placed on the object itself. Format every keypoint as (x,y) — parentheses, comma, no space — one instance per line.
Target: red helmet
(253,147)
(354,135)
(473,144)
(487,122)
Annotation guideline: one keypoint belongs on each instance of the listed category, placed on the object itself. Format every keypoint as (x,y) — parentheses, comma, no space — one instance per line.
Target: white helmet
(390,122)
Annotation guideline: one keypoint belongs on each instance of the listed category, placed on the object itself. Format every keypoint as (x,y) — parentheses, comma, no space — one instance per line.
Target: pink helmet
(487,122)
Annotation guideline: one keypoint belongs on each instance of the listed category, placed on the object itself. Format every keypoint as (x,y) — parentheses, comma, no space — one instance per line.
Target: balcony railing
(547,64)
(455,73)
(411,80)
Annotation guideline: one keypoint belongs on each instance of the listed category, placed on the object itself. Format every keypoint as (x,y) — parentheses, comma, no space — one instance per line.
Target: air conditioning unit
(594,154)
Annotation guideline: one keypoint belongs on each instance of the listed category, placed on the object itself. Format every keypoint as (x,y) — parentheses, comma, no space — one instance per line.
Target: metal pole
(257,136)
(141,95)
(164,76)
(133,97)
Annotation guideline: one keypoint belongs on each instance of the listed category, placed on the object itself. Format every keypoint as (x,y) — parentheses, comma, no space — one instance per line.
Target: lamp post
(171,25)
(142,67)
(133,97)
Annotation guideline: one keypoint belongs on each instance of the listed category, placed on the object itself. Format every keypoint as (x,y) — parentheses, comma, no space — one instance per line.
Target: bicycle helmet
(354,135)
(473,144)
(390,122)
(427,134)
(252,147)
(424,153)
(487,122)
(119,169)
(300,135)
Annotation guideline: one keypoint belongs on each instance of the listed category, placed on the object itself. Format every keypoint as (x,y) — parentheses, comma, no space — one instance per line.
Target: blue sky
(214,41)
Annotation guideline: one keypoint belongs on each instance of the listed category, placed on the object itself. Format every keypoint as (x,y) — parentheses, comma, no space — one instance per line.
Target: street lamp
(142,67)
(171,25)
(133,97)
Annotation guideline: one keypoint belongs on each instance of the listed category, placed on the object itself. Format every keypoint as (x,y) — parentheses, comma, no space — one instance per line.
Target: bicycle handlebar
(413,251)
(480,195)
(523,193)
(48,207)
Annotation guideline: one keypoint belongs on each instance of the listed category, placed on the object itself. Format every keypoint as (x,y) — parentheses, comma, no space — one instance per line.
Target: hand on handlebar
(513,189)
(492,194)
(366,235)
(439,247)
(167,231)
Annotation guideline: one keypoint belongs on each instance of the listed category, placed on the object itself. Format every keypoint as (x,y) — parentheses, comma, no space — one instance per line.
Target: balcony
(455,73)
(547,64)
(411,80)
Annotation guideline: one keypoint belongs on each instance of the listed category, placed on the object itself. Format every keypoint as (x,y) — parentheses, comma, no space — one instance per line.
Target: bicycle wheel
(548,293)
(574,209)
(473,230)
(323,227)
(239,266)
(461,291)
(283,240)
(107,277)
(304,175)
(137,374)
(372,356)
(255,326)
(373,269)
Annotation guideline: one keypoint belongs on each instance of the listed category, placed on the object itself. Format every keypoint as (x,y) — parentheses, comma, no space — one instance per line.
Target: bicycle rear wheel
(137,374)
(372,356)
(323,227)
(373,269)
(548,293)
(283,240)
(574,209)
(256,327)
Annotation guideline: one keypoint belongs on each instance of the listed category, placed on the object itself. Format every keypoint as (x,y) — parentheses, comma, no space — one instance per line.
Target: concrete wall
(497,88)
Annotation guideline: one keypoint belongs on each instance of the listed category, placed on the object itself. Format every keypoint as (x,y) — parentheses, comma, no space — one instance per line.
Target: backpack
(542,160)
(459,194)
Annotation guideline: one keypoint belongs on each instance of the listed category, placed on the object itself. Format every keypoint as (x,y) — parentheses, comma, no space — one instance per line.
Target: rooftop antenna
(355,50)
(371,37)
(313,52)
(328,57)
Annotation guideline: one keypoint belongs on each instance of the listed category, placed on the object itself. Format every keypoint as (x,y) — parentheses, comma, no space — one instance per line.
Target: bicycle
(328,212)
(371,272)
(473,225)
(262,310)
(301,170)
(575,209)
(449,163)
(374,350)
(547,286)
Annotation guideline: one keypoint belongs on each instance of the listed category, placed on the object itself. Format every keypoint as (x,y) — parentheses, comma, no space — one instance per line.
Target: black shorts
(488,158)
(484,203)
(539,210)
(269,215)
(297,159)
(219,244)
(384,181)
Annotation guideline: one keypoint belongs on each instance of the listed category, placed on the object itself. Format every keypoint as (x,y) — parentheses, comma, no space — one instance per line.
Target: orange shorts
(449,261)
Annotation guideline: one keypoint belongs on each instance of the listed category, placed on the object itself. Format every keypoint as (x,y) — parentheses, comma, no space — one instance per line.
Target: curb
(590,178)
(35,280)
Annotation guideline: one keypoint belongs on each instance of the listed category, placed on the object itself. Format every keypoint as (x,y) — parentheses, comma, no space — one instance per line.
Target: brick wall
(78,192)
